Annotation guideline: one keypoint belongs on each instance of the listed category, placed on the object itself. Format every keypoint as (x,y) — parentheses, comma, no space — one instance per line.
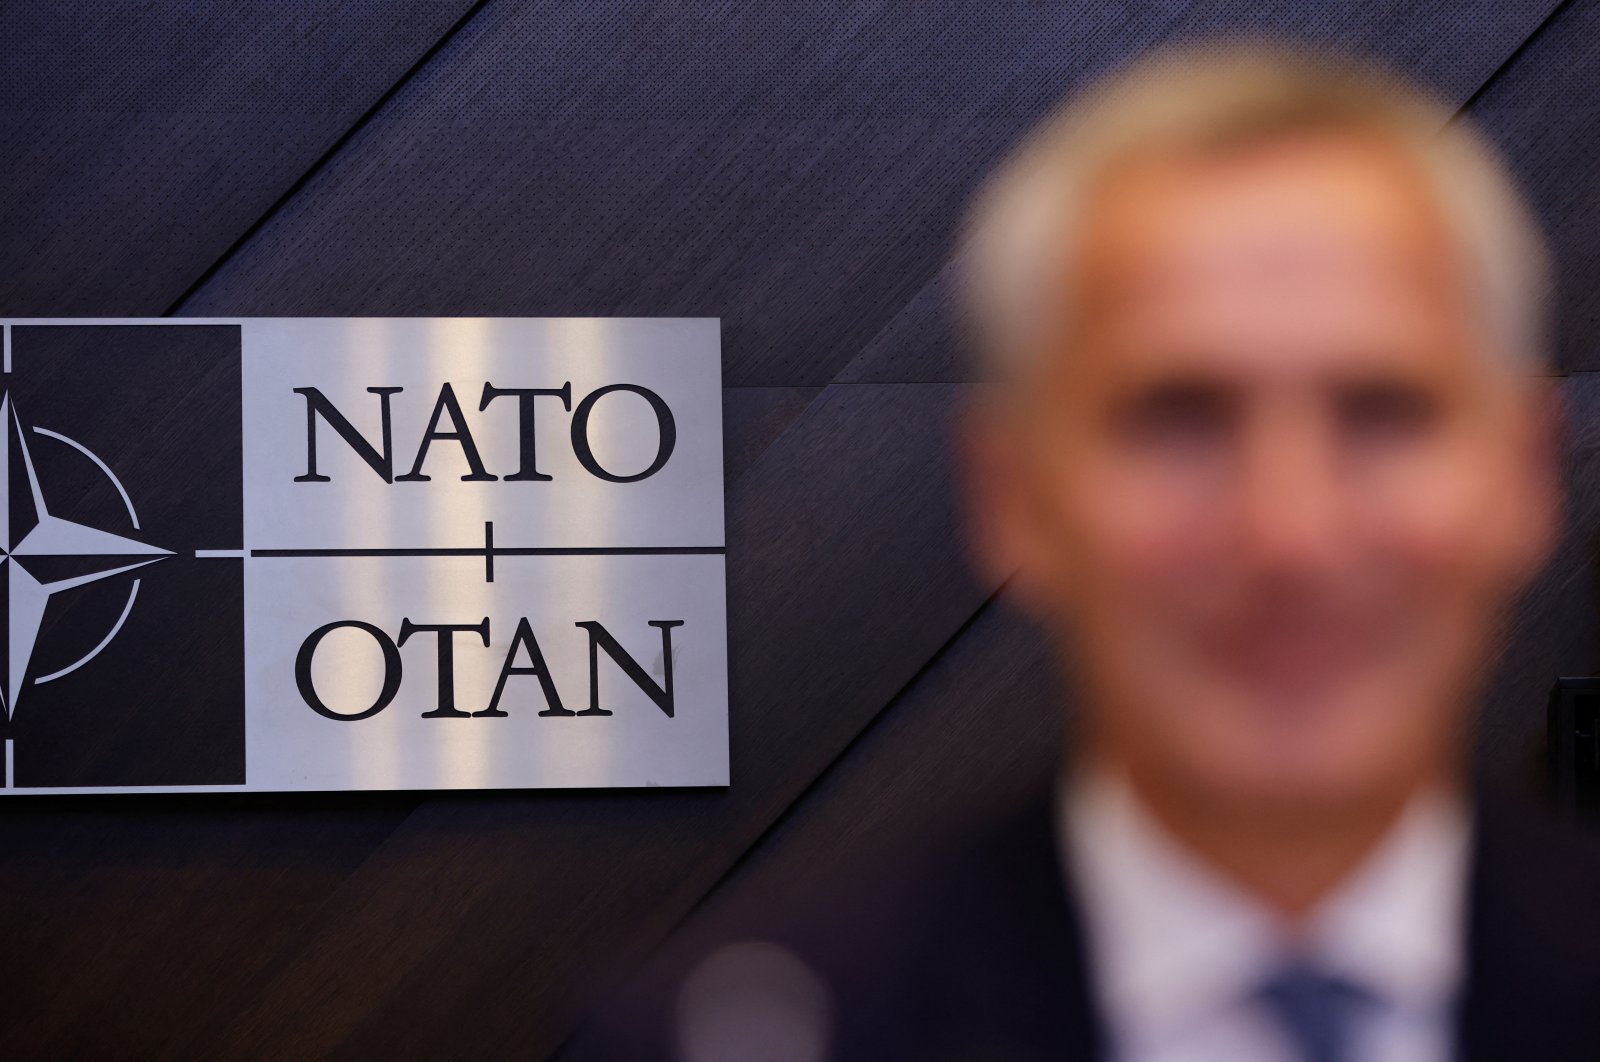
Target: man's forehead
(1327,239)
(1325,207)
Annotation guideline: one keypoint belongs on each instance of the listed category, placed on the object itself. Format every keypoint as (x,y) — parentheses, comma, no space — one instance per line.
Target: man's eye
(1387,412)
(1179,416)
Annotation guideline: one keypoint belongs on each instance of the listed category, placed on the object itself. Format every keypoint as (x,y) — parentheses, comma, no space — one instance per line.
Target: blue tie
(1315,1010)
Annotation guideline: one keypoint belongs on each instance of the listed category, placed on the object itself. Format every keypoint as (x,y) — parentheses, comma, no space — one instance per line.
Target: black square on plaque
(122,656)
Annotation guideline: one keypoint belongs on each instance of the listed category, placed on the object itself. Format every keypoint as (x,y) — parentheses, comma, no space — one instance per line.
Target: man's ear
(1001,532)
(1540,511)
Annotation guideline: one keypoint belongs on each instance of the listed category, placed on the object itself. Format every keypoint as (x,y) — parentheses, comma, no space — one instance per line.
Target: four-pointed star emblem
(29,534)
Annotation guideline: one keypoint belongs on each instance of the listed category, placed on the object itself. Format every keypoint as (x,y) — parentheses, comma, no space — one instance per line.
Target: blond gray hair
(1218,98)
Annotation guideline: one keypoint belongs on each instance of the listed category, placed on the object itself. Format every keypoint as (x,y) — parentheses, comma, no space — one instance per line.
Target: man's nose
(1289,492)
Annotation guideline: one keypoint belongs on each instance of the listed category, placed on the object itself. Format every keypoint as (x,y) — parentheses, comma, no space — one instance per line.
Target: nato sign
(367,553)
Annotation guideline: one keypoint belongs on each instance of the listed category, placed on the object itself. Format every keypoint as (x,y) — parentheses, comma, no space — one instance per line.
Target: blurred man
(1270,456)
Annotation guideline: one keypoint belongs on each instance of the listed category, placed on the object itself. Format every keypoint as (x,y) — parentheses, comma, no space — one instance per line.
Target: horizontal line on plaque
(219,553)
(498,551)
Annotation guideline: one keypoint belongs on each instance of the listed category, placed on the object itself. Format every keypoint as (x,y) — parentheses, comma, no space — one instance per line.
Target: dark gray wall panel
(928,339)
(792,168)
(142,140)
(1544,110)
(752,417)
(124,920)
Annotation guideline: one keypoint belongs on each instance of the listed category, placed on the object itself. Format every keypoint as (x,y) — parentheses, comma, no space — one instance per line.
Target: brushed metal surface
(395,486)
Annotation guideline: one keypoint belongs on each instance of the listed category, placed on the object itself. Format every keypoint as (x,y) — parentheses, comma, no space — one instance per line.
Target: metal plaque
(362,553)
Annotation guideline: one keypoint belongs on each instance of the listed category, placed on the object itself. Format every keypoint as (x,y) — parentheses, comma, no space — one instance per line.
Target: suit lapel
(1052,1000)
(1533,940)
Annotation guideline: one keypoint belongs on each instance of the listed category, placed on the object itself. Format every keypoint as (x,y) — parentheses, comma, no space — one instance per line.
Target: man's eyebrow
(1186,397)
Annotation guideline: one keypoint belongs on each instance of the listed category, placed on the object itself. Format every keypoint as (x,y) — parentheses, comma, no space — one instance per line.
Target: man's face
(1270,485)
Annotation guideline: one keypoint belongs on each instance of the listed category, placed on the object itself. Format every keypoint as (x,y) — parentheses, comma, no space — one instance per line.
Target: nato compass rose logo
(42,554)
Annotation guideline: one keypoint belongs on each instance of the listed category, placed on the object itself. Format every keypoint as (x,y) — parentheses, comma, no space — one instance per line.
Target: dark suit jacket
(975,952)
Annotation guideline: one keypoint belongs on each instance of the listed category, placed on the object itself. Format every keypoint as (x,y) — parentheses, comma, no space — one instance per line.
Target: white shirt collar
(1172,941)
(1398,925)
